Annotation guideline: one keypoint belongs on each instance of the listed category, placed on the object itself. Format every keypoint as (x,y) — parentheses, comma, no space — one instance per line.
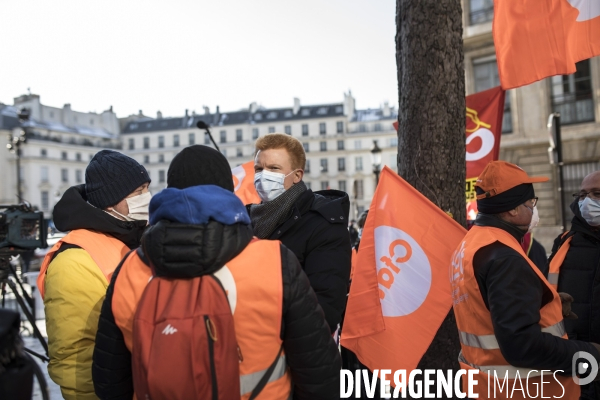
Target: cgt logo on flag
(403,272)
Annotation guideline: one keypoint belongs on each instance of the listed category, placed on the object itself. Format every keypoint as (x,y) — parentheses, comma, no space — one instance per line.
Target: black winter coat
(316,231)
(580,277)
(310,351)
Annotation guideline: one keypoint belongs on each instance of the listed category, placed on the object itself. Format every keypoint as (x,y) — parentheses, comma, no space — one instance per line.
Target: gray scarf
(268,215)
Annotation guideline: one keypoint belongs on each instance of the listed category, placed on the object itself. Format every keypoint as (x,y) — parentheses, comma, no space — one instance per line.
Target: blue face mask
(590,211)
(269,185)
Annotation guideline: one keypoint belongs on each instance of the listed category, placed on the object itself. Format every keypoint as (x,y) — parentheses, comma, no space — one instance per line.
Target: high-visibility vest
(557,261)
(106,251)
(479,347)
(254,287)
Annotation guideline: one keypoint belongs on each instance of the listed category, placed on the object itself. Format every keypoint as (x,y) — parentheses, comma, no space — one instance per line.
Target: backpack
(184,344)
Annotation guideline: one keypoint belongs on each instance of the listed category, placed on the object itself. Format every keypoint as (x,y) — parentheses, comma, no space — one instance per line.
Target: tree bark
(431,119)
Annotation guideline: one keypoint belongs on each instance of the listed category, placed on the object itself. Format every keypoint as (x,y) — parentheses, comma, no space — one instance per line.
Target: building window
(78,176)
(131,144)
(359,190)
(78,156)
(206,138)
(394,142)
(377,127)
(146,159)
(481,11)
(305,145)
(161,158)
(287,129)
(323,146)
(223,137)
(64,175)
(238,135)
(362,128)
(342,186)
(357,144)
(45,200)
(304,129)
(146,142)
(340,145)
(63,155)
(325,185)
(322,128)
(161,142)
(486,77)
(339,127)
(323,165)
(307,167)
(254,133)
(161,176)
(43,153)
(271,129)
(175,140)
(44,174)
(358,163)
(572,95)
(341,164)
(191,138)
(239,153)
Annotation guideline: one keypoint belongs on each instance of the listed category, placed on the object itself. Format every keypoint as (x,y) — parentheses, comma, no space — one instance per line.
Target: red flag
(243,183)
(535,39)
(400,293)
(484,130)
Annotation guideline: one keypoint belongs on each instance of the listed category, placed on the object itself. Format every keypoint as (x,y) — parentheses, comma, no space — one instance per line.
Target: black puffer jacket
(311,353)
(316,231)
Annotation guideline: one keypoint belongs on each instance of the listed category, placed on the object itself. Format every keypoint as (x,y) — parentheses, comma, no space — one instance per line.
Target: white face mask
(138,207)
(590,211)
(269,185)
(535,219)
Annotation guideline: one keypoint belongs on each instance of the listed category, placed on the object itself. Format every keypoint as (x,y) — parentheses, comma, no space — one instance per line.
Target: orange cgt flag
(243,183)
(400,293)
(535,39)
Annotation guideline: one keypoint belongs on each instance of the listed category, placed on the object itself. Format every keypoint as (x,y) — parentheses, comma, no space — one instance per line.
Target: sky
(174,55)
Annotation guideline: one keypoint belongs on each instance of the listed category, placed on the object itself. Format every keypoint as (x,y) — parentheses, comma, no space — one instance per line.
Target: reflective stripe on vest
(106,251)
(489,342)
(557,261)
(248,382)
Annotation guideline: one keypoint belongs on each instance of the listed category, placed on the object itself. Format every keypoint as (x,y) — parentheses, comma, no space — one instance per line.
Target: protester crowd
(189,293)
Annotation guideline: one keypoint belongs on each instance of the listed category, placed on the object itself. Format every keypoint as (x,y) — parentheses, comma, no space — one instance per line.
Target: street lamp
(555,154)
(15,142)
(376,160)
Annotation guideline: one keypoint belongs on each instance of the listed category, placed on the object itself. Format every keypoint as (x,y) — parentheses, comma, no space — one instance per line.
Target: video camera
(21,229)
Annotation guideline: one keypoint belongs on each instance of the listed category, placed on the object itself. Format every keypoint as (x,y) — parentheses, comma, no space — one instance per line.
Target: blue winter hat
(111,176)
(197,205)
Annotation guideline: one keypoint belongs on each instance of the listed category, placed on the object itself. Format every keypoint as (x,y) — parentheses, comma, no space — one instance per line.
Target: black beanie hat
(111,176)
(199,165)
(505,201)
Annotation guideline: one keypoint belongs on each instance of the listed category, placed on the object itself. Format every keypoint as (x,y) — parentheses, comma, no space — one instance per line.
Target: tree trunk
(431,118)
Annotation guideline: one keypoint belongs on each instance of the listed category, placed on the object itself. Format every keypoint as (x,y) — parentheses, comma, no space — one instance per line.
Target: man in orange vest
(106,218)
(271,298)
(510,319)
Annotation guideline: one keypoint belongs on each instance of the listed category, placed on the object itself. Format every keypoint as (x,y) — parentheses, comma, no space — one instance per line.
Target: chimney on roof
(140,113)
(158,115)
(296,105)
(186,112)
(218,110)
(253,107)
(349,105)
(387,112)
(206,110)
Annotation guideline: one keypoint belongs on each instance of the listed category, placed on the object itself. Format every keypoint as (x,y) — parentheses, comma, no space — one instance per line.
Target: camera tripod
(26,303)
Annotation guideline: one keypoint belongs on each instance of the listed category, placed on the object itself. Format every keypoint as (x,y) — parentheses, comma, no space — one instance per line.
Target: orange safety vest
(254,287)
(479,346)
(557,262)
(106,251)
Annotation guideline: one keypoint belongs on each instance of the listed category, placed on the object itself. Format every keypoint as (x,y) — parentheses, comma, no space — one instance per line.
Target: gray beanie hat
(111,176)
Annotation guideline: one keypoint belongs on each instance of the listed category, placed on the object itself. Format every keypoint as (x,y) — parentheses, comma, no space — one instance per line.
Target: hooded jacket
(188,250)
(514,295)
(75,288)
(580,277)
(316,232)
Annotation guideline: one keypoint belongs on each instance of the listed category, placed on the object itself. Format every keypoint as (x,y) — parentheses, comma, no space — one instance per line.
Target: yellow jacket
(74,291)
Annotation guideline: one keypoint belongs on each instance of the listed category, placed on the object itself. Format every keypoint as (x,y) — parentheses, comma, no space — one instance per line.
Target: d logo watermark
(579,367)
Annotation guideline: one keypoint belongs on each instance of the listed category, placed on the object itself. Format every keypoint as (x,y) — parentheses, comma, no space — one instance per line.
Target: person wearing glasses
(575,267)
(510,319)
